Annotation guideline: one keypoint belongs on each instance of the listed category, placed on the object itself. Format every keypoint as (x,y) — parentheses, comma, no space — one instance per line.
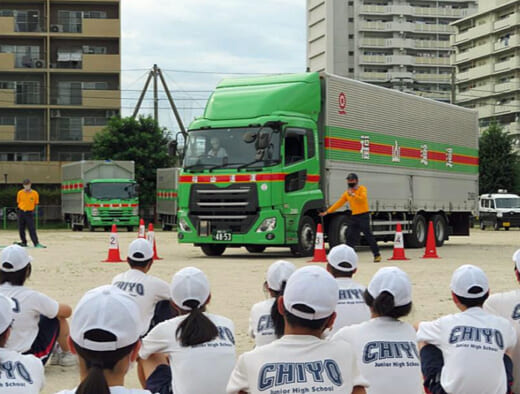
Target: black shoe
(22,244)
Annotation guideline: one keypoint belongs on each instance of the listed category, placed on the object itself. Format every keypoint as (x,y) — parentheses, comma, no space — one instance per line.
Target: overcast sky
(226,36)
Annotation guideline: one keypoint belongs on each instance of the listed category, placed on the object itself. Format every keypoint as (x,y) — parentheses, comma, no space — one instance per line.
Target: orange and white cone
(398,245)
(141,231)
(150,236)
(319,247)
(431,248)
(113,248)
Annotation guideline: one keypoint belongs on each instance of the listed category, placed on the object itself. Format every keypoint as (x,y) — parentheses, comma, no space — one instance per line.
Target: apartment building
(487,60)
(59,81)
(399,44)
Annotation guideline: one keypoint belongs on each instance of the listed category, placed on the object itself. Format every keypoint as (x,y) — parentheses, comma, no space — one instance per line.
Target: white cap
(393,280)
(343,254)
(140,250)
(279,272)
(516,259)
(6,313)
(110,309)
(189,283)
(14,258)
(313,287)
(467,276)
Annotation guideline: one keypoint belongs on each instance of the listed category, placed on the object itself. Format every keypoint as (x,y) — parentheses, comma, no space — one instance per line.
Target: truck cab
(499,210)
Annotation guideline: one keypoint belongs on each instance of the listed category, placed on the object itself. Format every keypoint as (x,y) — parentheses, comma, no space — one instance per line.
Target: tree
(140,140)
(497,160)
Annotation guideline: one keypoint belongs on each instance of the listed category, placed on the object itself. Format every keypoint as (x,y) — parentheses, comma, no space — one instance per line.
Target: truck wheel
(89,225)
(496,227)
(106,229)
(482,225)
(167,227)
(337,232)
(506,228)
(440,227)
(255,248)
(306,238)
(417,238)
(129,229)
(213,249)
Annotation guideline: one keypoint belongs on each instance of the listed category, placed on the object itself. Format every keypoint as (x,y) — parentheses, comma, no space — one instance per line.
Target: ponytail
(97,361)
(276,317)
(384,305)
(196,328)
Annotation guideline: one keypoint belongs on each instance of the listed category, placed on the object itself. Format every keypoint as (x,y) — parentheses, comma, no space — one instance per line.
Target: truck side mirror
(87,190)
(172,148)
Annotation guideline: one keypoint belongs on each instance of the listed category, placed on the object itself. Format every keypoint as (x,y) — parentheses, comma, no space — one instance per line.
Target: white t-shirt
(20,374)
(387,355)
(147,291)
(261,326)
(507,305)
(351,307)
(473,344)
(213,360)
(113,390)
(28,306)
(297,364)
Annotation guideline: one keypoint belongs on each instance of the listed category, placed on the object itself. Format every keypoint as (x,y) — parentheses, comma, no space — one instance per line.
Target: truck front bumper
(98,221)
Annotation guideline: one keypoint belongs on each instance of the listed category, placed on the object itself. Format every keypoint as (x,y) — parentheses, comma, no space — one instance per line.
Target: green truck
(270,153)
(97,194)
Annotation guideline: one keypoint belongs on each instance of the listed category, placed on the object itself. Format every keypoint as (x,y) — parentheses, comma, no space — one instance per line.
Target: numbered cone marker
(319,247)
(141,231)
(398,244)
(113,248)
(150,236)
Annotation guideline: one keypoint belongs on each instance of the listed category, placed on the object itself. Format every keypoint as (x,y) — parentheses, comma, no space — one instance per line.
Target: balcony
(475,72)
(433,28)
(507,65)
(102,63)
(102,27)
(373,76)
(486,111)
(8,25)
(474,94)
(90,131)
(477,31)
(433,12)
(434,61)
(508,86)
(506,108)
(513,41)
(435,78)
(475,52)
(373,59)
(7,97)
(371,26)
(7,61)
(434,95)
(7,133)
(433,44)
(511,20)
(374,42)
(395,76)
(512,128)
(101,98)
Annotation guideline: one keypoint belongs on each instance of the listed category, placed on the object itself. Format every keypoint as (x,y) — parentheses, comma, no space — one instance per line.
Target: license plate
(506,224)
(222,235)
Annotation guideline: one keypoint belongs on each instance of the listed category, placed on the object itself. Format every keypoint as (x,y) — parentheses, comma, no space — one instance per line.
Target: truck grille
(115,213)
(234,208)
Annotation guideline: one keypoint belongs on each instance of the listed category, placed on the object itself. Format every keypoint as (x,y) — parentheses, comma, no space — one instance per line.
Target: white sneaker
(54,358)
(67,359)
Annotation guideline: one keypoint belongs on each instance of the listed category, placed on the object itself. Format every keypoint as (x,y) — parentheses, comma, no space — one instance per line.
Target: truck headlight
(95,211)
(268,224)
(135,211)
(183,225)
(500,214)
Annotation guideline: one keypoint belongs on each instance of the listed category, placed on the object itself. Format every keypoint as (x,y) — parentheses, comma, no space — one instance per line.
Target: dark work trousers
(26,218)
(361,223)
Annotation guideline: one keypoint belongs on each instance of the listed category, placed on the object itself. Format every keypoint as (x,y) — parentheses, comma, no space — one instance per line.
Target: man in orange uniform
(356,196)
(27,200)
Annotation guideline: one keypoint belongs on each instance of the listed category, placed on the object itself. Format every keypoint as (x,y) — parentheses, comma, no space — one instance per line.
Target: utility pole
(153,74)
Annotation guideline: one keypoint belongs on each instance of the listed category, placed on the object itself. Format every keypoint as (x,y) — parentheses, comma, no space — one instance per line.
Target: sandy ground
(72,264)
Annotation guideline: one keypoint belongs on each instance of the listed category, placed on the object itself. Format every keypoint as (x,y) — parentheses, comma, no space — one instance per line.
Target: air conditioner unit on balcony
(38,63)
(55,113)
(57,28)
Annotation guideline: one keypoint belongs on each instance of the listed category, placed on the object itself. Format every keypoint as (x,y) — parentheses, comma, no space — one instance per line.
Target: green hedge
(49,195)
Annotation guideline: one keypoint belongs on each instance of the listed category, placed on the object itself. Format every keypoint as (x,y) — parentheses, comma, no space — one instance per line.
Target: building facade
(60,68)
(399,44)
(487,61)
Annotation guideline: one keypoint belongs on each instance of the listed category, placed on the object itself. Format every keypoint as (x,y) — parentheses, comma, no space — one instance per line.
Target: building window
(350,70)
(95,86)
(351,36)
(28,128)
(67,129)
(24,55)
(351,19)
(94,15)
(94,121)
(7,120)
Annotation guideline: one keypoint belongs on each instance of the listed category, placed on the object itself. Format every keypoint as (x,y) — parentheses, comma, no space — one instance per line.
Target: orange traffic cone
(113,248)
(140,233)
(151,238)
(398,244)
(431,249)
(319,247)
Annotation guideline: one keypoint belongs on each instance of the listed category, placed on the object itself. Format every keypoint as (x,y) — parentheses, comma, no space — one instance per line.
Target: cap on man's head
(516,259)
(140,249)
(189,284)
(469,281)
(314,289)
(352,177)
(343,258)
(26,181)
(109,309)
(393,280)
(279,272)
(6,313)
(14,258)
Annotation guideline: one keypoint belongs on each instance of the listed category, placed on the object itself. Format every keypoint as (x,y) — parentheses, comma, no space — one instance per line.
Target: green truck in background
(97,193)
(270,153)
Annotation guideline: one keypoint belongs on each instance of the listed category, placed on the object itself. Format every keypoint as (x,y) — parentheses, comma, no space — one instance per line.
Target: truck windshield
(112,191)
(219,148)
(507,202)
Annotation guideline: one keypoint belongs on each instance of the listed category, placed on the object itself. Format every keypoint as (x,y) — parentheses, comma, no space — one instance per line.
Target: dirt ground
(72,264)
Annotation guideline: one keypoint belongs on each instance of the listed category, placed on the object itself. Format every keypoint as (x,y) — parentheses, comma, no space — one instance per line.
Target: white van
(499,210)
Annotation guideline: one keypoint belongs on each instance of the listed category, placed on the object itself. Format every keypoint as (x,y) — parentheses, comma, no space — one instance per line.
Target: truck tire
(482,225)
(306,238)
(255,248)
(337,231)
(417,238)
(167,227)
(129,228)
(440,227)
(496,226)
(89,225)
(213,249)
